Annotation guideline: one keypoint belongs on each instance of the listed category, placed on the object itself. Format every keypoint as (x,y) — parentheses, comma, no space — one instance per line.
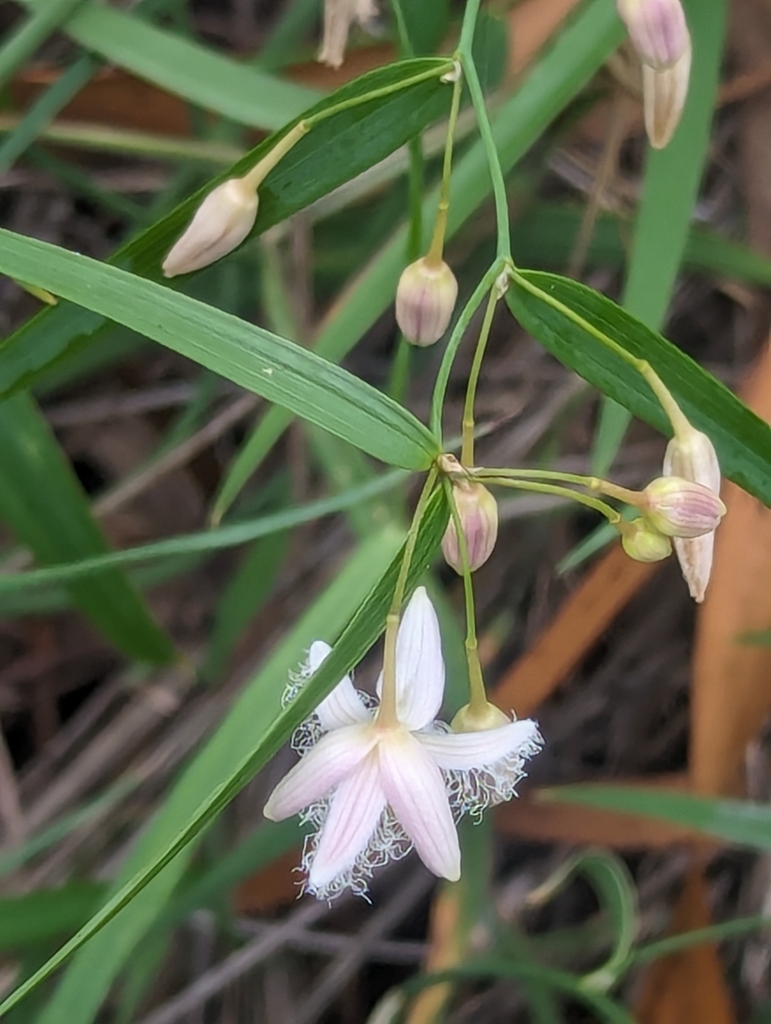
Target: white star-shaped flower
(374,791)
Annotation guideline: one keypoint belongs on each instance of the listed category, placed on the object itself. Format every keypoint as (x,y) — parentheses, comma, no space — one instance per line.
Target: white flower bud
(644,544)
(657,30)
(221,222)
(467,720)
(682,508)
(425,300)
(664,94)
(478,514)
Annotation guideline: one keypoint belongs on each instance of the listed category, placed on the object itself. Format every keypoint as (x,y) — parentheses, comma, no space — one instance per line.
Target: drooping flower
(691,455)
(657,30)
(339,15)
(425,300)
(374,790)
(664,94)
(678,507)
(478,514)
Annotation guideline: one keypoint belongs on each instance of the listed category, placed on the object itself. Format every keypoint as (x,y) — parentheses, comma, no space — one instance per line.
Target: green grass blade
(576,55)
(31,33)
(671,188)
(737,821)
(255,728)
(259,361)
(335,151)
(44,109)
(43,914)
(742,440)
(44,504)
(183,67)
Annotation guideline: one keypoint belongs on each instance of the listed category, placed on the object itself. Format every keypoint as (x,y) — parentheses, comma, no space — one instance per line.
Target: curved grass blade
(46,508)
(742,439)
(253,731)
(332,153)
(183,67)
(279,370)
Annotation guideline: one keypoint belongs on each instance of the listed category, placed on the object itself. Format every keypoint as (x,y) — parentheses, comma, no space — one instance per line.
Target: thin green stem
(468,64)
(387,715)
(592,483)
(602,507)
(680,423)
(467,451)
(697,937)
(436,248)
(477,692)
(406,48)
(467,313)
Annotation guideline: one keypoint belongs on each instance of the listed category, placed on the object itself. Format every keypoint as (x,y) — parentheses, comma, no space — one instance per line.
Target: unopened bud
(478,514)
(664,94)
(682,508)
(221,222)
(657,30)
(691,455)
(425,300)
(644,544)
(472,720)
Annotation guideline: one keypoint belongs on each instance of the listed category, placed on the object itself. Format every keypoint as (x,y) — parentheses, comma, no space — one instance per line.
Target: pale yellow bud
(664,94)
(682,508)
(478,514)
(657,30)
(221,222)
(644,544)
(425,300)
(468,720)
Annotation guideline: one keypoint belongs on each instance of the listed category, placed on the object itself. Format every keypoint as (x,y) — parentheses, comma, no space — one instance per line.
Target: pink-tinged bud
(468,720)
(691,455)
(221,222)
(644,544)
(682,508)
(478,514)
(657,30)
(664,95)
(425,300)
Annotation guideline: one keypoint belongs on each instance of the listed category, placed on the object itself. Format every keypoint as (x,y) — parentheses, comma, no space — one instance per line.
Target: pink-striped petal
(415,789)
(419,664)
(334,757)
(467,750)
(353,816)
(343,705)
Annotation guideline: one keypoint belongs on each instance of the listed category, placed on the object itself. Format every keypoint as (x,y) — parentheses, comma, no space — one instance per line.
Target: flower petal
(419,664)
(415,789)
(334,757)
(342,706)
(353,816)
(695,557)
(467,750)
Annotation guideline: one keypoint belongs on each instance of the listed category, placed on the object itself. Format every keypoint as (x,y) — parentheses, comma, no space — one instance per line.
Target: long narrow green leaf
(737,821)
(44,504)
(279,370)
(576,55)
(671,188)
(181,66)
(255,728)
(743,441)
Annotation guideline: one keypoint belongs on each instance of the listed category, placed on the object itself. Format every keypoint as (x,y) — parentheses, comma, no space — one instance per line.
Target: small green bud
(643,543)
(478,514)
(681,508)
(490,717)
(425,300)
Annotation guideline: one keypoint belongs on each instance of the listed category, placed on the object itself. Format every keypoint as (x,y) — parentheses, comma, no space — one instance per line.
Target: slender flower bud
(470,720)
(643,543)
(478,514)
(657,30)
(682,508)
(425,299)
(664,94)
(691,455)
(221,222)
